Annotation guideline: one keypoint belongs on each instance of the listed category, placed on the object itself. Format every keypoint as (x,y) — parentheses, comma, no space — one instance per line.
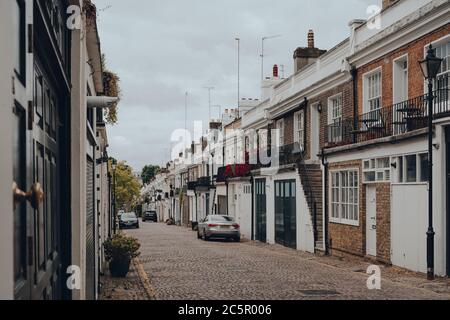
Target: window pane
(411,168)
(423,167)
(400,170)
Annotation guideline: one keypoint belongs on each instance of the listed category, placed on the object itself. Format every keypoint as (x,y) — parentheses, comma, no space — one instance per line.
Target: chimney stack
(311,39)
(304,56)
(275,71)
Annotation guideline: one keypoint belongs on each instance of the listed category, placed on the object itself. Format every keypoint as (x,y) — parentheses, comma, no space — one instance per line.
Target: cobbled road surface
(181,267)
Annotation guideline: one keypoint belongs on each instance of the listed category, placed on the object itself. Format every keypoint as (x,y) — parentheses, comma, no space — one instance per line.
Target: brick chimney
(388,3)
(311,39)
(275,71)
(304,56)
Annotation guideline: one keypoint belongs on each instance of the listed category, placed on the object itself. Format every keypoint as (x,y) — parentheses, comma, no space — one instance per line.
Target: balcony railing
(400,118)
(191,185)
(203,183)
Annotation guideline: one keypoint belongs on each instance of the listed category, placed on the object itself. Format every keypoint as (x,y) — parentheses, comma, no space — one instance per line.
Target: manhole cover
(319,292)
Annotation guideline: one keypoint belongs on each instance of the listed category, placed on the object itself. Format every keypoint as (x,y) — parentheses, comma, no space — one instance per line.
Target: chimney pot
(275,71)
(311,39)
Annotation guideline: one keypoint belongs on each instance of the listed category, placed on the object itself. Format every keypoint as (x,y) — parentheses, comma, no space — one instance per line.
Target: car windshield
(129,215)
(150,212)
(221,219)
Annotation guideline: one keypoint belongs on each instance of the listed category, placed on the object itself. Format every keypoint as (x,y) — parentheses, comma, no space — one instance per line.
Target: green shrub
(121,247)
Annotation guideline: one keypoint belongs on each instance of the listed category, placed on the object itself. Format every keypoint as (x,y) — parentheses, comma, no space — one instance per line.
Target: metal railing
(397,119)
(308,190)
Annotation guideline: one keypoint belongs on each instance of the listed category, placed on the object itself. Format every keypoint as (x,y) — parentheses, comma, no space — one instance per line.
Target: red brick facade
(415,52)
(384,222)
(345,238)
(346,90)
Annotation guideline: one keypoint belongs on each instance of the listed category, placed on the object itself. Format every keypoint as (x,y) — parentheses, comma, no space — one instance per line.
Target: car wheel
(237,239)
(198,235)
(205,237)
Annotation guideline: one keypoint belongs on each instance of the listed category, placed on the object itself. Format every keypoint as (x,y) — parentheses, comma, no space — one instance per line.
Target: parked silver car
(218,226)
(129,220)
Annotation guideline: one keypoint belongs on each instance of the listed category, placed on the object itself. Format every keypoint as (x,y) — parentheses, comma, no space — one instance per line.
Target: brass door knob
(35,196)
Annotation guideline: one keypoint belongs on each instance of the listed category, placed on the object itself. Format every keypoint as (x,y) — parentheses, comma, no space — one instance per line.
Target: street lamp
(114,167)
(430,67)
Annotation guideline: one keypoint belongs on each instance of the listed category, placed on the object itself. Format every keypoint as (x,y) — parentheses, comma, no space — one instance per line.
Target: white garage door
(409,226)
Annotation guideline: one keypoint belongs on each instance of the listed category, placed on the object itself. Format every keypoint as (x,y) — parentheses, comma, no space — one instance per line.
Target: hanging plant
(111,84)
(91,12)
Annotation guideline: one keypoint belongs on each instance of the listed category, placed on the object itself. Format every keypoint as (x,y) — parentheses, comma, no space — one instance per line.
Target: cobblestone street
(181,267)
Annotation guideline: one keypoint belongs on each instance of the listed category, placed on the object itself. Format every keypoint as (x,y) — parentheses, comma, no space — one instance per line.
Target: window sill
(345,223)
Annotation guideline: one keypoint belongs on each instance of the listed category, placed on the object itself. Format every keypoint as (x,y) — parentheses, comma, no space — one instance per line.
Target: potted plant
(119,251)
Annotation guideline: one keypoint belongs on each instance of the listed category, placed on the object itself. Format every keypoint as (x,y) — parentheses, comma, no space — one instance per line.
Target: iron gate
(285,213)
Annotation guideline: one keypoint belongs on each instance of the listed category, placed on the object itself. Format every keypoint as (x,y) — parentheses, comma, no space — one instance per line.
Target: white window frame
(404,57)
(366,90)
(335,117)
(280,127)
(299,129)
(402,180)
(332,116)
(439,42)
(340,203)
(375,168)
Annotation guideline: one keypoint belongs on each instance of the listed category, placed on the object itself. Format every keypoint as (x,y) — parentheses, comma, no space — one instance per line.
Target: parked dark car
(129,220)
(150,216)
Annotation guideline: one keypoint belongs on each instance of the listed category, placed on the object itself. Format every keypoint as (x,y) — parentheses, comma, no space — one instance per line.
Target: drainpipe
(354,73)
(325,208)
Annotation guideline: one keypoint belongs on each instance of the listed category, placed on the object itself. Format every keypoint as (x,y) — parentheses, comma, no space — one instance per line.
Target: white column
(6,205)
(78,160)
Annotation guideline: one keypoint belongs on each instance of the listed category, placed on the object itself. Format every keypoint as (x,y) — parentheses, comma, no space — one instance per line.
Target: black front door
(37,262)
(260,210)
(42,238)
(447,141)
(285,213)
(46,265)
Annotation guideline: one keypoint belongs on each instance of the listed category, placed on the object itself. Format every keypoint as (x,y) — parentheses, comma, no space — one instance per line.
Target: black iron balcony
(191,185)
(204,182)
(290,154)
(339,133)
(400,118)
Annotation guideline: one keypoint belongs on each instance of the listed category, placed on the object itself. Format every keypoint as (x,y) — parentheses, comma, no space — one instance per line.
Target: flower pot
(119,268)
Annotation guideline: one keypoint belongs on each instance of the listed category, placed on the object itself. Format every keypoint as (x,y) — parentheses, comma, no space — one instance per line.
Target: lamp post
(430,67)
(114,167)
(239,73)
(209,103)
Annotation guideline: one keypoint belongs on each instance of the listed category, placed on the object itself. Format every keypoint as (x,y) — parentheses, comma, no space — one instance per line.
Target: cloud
(161,49)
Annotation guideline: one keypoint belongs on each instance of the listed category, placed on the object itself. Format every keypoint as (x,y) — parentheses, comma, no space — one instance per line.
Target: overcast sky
(164,48)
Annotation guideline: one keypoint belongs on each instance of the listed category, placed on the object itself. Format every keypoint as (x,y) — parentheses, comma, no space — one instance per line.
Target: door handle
(35,196)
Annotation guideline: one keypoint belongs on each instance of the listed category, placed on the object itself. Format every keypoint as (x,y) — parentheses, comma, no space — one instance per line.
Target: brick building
(377,173)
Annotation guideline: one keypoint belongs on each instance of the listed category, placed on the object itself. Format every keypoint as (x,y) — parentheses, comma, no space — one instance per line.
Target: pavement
(181,267)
